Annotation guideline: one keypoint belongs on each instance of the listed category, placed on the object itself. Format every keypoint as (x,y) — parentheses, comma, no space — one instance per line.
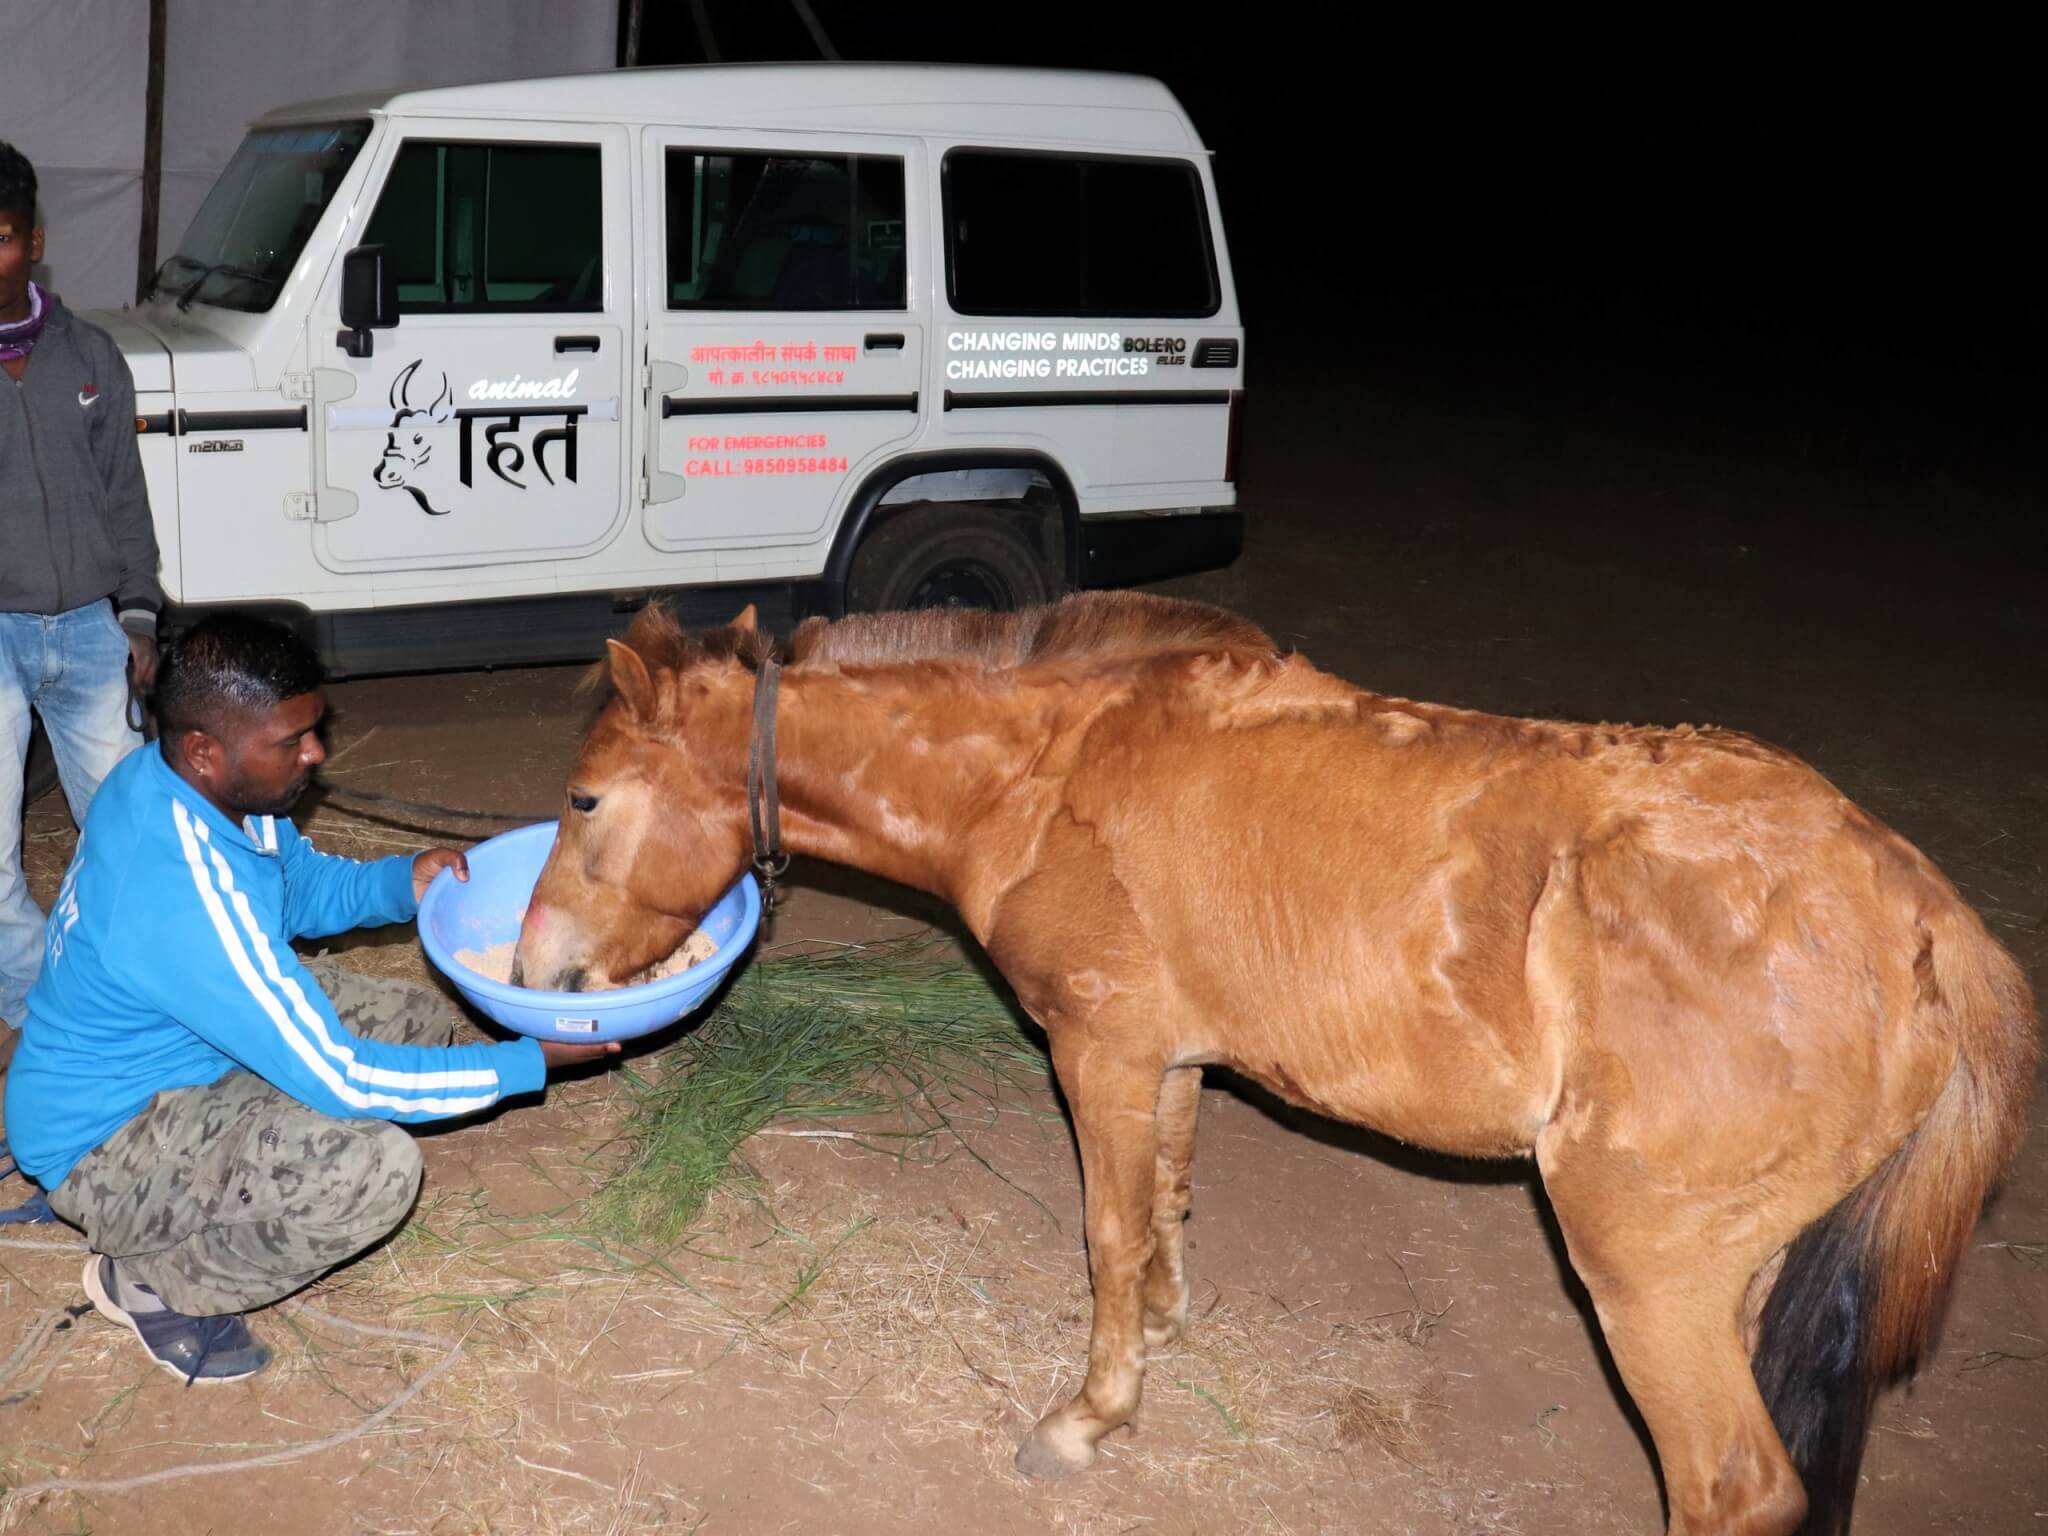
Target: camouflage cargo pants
(233,1195)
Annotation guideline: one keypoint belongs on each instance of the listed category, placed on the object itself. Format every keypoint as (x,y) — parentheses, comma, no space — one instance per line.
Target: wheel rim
(962,584)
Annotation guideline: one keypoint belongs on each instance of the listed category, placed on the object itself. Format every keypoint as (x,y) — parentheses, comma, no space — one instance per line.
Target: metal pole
(634,10)
(705,41)
(152,151)
(816,28)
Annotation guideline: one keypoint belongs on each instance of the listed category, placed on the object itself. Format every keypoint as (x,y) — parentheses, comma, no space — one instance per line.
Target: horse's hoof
(1039,1461)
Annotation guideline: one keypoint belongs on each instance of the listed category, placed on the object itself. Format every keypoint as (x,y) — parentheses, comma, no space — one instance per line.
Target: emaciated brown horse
(1768,1062)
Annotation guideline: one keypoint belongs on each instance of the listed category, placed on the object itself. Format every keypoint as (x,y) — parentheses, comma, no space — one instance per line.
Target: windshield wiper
(161,277)
(231,270)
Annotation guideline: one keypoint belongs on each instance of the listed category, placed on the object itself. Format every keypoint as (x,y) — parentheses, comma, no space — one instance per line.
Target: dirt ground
(1385,1342)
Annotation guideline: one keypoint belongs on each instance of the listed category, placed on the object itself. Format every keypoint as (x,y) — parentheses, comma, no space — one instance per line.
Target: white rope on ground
(27,1491)
(375,1330)
(41,1331)
(56,1324)
(30,1341)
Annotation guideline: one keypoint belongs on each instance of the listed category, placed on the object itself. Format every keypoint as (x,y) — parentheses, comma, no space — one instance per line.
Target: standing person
(212,1111)
(78,589)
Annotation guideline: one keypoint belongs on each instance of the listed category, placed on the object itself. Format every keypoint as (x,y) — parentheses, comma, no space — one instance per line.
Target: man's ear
(203,754)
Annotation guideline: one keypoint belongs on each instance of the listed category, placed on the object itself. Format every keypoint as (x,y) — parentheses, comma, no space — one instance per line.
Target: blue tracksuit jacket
(168,962)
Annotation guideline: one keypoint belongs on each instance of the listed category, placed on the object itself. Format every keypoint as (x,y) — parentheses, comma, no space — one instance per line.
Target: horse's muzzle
(573,978)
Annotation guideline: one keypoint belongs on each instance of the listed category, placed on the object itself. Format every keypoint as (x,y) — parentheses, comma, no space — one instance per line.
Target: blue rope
(34,1209)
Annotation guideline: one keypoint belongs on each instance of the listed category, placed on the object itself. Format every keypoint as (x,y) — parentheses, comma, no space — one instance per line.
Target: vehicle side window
(1049,234)
(787,232)
(474,227)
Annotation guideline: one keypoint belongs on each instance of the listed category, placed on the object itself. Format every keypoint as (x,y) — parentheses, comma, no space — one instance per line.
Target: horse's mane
(1090,626)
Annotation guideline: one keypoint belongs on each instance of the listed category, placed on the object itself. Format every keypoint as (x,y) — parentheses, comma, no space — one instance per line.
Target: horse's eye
(583,803)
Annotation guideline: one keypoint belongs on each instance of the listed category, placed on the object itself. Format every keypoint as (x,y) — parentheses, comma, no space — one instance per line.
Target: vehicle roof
(1081,106)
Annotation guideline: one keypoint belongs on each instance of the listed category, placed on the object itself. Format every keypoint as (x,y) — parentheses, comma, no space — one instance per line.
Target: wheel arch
(864,508)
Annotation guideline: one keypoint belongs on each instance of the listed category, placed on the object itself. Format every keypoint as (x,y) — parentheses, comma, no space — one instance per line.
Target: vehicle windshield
(259,215)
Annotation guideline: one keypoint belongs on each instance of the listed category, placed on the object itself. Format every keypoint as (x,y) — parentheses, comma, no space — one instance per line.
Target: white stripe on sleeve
(302,1042)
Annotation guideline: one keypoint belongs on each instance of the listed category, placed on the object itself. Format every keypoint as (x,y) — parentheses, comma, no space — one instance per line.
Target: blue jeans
(72,669)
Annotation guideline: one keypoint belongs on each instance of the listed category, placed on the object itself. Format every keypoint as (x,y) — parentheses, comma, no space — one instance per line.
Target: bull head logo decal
(406,449)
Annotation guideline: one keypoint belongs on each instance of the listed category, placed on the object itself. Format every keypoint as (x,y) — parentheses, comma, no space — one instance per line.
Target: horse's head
(654,824)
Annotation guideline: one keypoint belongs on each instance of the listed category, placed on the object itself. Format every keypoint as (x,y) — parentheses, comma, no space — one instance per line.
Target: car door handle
(575,344)
(885,343)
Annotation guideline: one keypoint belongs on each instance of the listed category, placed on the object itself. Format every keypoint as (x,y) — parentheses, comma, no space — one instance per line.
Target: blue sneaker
(194,1349)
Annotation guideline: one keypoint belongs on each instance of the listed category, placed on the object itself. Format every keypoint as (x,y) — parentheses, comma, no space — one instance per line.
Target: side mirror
(369,299)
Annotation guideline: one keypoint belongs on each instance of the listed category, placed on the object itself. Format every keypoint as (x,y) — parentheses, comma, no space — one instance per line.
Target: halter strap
(770,861)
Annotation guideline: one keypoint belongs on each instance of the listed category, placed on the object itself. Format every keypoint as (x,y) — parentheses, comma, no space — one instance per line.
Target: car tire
(946,555)
(39,773)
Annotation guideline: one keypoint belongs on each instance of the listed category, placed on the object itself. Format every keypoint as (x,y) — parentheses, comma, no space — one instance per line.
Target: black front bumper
(1128,551)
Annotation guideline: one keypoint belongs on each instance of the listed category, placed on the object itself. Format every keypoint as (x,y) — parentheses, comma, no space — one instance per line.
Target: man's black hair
(17,182)
(230,665)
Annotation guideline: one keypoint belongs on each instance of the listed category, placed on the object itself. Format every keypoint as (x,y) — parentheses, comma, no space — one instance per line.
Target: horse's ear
(748,620)
(808,636)
(632,679)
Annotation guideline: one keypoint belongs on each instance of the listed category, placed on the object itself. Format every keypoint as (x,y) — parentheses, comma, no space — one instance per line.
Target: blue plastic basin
(487,910)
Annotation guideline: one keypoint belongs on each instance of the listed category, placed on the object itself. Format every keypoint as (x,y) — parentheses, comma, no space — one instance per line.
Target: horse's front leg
(1112,1099)
(1166,1280)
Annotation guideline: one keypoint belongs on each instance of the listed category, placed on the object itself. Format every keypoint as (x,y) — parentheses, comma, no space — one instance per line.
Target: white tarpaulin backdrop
(77,75)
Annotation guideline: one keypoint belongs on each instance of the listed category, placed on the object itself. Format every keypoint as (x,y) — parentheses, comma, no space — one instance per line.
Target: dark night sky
(1855,188)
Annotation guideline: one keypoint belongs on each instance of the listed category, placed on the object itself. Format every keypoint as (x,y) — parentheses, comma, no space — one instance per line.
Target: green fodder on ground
(894,1038)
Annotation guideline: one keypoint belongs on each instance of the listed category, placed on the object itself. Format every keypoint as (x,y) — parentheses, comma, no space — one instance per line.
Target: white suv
(458,377)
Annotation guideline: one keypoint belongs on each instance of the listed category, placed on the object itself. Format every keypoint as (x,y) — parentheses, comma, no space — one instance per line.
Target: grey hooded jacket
(74,512)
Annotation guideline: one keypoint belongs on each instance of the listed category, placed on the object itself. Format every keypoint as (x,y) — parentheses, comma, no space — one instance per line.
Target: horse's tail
(1860,1293)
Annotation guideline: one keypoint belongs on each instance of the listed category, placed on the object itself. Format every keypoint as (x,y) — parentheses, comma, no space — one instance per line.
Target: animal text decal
(407,450)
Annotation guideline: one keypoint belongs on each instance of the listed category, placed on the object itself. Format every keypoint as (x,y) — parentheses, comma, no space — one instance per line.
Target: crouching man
(208,1108)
